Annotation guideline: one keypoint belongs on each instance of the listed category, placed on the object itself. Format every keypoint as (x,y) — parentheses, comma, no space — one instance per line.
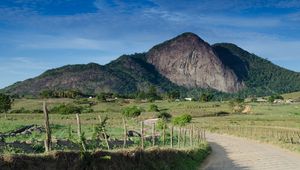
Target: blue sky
(36,35)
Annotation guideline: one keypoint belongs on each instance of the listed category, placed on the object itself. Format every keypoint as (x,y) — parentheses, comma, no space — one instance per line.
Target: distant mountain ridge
(185,62)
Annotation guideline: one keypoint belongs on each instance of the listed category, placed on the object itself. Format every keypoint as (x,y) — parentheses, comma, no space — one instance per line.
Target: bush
(274,97)
(161,123)
(66,109)
(222,113)
(182,120)
(21,110)
(153,108)
(133,111)
(164,116)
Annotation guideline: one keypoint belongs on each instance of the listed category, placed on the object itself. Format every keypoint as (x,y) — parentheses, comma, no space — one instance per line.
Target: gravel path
(229,153)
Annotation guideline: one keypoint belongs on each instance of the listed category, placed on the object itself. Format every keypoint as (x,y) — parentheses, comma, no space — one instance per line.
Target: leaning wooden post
(179,136)
(184,137)
(47,128)
(191,142)
(153,134)
(104,133)
(79,132)
(164,134)
(171,137)
(192,135)
(198,136)
(142,134)
(125,132)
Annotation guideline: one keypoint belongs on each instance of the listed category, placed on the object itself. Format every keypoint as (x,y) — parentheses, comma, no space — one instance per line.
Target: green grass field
(274,123)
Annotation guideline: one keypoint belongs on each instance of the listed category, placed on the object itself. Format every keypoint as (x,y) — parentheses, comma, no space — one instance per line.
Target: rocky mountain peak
(189,61)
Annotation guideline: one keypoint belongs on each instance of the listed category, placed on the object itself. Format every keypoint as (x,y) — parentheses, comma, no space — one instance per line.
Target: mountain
(259,75)
(185,62)
(127,74)
(189,61)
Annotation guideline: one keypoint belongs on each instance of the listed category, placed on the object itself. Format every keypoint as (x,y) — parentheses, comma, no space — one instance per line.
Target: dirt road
(231,153)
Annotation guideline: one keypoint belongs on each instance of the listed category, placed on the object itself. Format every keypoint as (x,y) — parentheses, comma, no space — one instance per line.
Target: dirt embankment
(135,159)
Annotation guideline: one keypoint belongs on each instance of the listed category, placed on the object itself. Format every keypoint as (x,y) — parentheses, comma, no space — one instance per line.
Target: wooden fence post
(79,132)
(47,128)
(192,135)
(171,137)
(153,134)
(125,132)
(184,138)
(191,142)
(142,134)
(104,133)
(164,134)
(198,136)
(179,136)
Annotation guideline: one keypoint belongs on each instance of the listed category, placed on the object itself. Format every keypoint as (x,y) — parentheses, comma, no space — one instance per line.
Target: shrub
(222,113)
(153,108)
(21,110)
(182,120)
(133,111)
(66,109)
(164,116)
(160,124)
(274,97)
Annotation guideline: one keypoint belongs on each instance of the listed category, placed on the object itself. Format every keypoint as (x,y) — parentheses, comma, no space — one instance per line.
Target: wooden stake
(184,137)
(192,135)
(142,134)
(79,131)
(125,132)
(47,128)
(153,134)
(179,136)
(191,142)
(171,137)
(164,134)
(104,133)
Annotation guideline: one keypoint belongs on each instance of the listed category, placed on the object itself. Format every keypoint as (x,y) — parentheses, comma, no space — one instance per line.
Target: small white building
(188,99)
(260,99)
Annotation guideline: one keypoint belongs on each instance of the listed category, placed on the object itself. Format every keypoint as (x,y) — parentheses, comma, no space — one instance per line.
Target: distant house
(289,101)
(260,99)
(188,99)
(278,101)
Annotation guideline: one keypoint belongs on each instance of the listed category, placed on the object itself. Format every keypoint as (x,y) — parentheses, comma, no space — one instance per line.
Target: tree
(175,94)
(101,97)
(5,104)
(205,97)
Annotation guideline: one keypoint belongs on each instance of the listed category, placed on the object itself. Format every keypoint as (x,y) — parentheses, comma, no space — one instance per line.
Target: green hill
(261,76)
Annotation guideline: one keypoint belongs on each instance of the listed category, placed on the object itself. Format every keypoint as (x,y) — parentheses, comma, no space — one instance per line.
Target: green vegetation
(132,112)
(66,109)
(260,75)
(182,120)
(274,97)
(187,159)
(262,120)
(5,103)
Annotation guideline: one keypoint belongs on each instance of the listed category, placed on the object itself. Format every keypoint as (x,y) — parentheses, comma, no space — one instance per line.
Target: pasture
(273,123)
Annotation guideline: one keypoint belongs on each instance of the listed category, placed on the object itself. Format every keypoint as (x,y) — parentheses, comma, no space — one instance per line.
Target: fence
(139,135)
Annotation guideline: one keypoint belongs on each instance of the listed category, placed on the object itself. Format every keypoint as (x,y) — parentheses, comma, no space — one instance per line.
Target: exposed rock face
(189,61)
